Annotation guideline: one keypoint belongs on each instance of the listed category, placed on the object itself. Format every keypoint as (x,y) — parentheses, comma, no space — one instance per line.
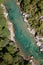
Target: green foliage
(35,9)
(3,27)
(3,63)
(11,48)
(1,1)
(8,58)
(9,54)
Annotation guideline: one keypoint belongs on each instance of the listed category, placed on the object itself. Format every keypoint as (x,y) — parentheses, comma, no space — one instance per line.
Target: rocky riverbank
(38,39)
(12,33)
(12,36)
(23,29)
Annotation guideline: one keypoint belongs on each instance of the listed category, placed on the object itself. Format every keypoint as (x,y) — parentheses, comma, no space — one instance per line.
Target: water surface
(22,35)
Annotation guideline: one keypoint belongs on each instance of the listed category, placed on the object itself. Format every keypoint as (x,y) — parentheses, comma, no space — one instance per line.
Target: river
(23,37)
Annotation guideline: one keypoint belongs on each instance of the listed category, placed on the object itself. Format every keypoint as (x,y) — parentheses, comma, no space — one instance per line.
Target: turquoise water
(22,35)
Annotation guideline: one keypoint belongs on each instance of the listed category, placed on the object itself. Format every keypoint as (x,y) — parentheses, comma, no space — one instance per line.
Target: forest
(35,9)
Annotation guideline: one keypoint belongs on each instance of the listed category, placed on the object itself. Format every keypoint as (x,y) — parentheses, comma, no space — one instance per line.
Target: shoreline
(10,25)
(32,31)
(25,57)
(12,34)
(22,52)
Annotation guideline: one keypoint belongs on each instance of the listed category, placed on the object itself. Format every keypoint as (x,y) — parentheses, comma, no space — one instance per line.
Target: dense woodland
(9,54)
(35,10)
